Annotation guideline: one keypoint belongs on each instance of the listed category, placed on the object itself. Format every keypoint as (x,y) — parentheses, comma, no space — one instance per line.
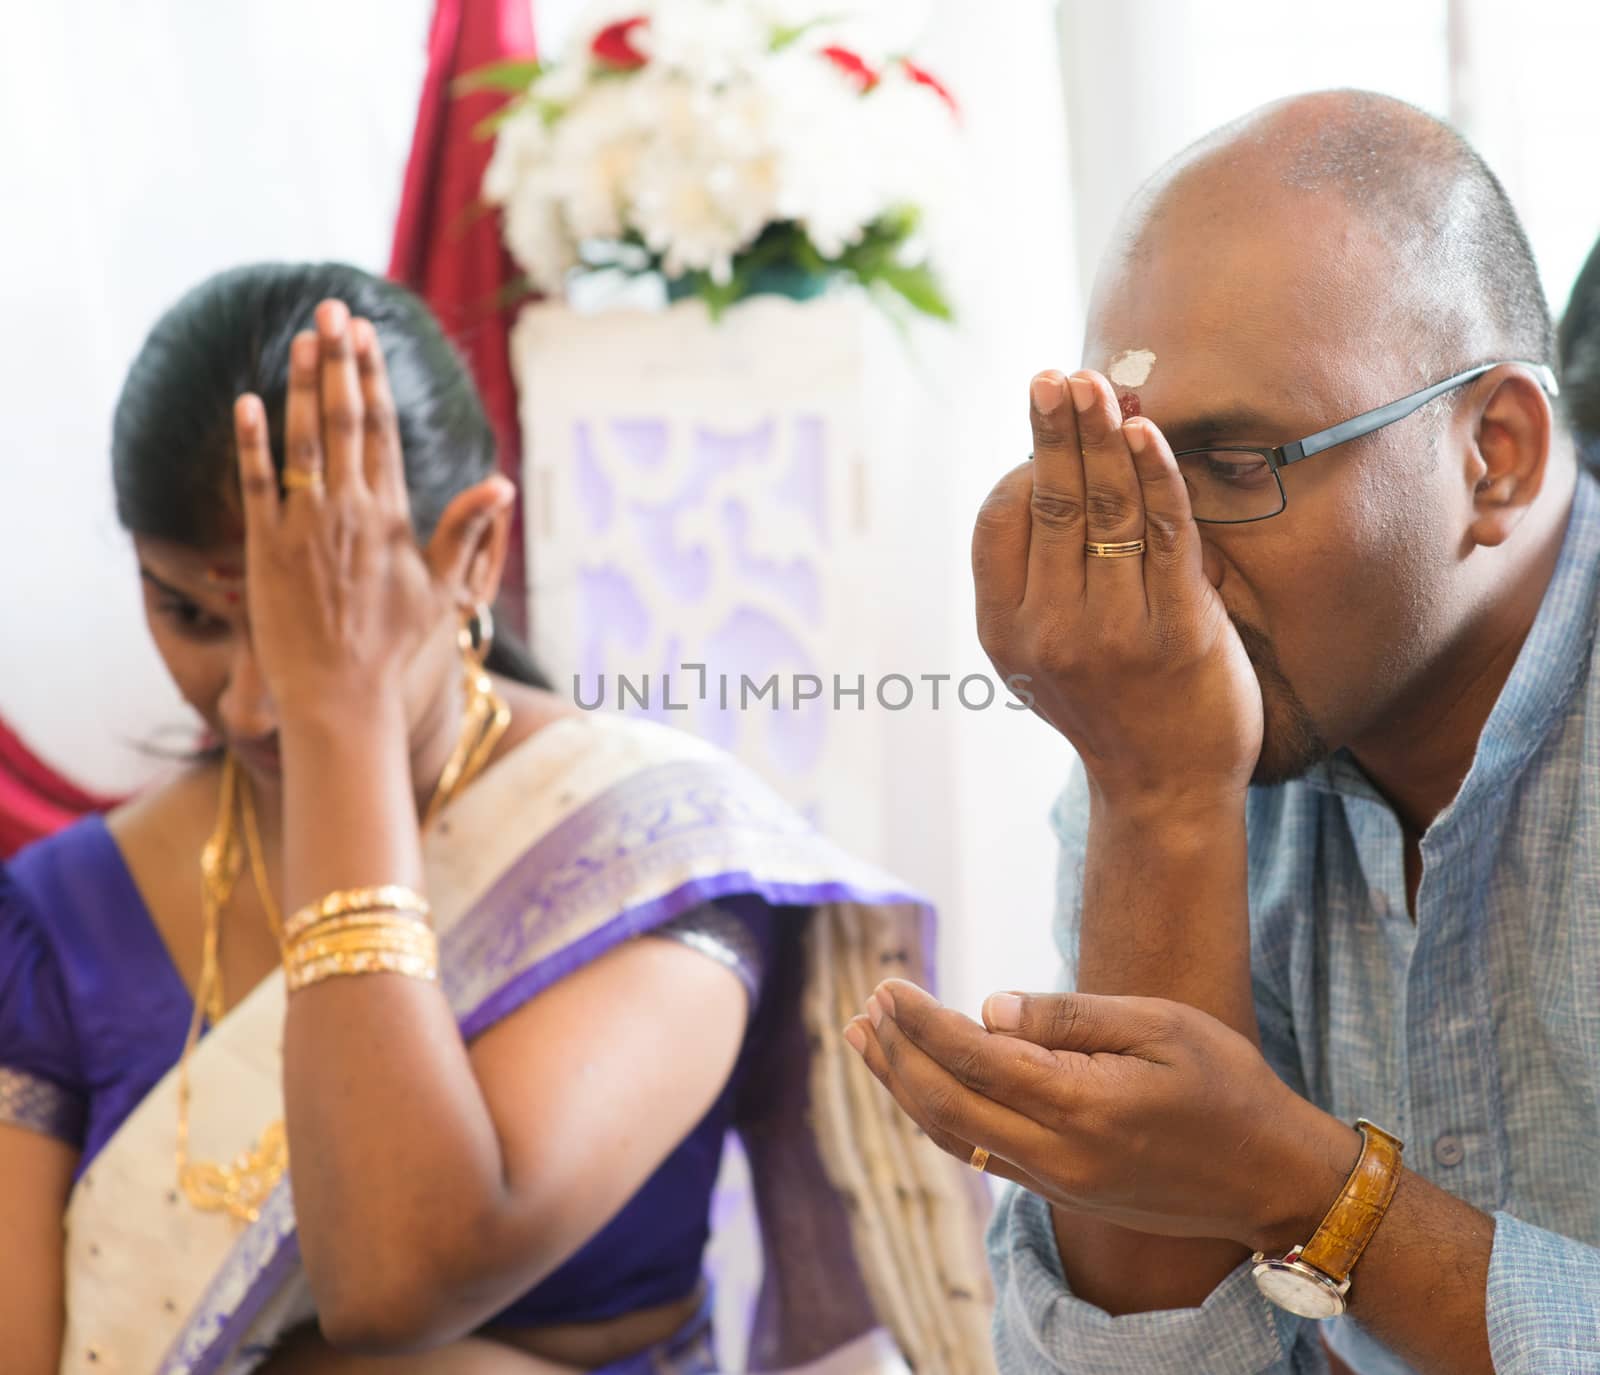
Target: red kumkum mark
(221,573)
(1129,401)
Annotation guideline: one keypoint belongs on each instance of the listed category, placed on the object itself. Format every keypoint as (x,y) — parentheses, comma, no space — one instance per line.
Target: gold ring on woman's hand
(302,479)
(980,1159)
(1124,549)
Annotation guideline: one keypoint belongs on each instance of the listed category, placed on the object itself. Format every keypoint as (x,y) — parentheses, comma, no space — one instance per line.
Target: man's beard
(1290,741)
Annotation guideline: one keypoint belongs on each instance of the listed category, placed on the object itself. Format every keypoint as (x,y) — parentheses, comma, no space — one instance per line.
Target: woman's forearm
(397,1168)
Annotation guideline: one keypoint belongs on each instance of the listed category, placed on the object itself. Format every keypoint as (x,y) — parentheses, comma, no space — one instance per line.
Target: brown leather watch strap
(1344,1232)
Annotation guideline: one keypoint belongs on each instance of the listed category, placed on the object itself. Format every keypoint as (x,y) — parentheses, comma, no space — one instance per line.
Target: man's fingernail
(1046,393)
(875,1010)
(1137,439)
(1003,1011)
(1082,393)
(855,1038)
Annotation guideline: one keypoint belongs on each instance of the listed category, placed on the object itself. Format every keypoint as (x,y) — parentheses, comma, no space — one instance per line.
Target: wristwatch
(1312,1280)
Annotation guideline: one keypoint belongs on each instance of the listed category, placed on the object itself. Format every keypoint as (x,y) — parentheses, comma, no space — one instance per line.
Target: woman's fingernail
(856,1038)
(333,317)
(1082,393)
(247,413)
(1137,439)
(874,1011)
(1003,1012)
(303,352)
(1046,392)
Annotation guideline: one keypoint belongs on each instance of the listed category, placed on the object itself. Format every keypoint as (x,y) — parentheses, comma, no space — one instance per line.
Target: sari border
(646,916)
(36,1104)
(256,1268)
(679,832)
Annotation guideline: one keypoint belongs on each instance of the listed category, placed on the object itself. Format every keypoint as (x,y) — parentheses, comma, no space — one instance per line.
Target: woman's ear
(1509,455)
(468,550)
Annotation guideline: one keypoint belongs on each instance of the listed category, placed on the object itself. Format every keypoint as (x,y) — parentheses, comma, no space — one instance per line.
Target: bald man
(1306,570)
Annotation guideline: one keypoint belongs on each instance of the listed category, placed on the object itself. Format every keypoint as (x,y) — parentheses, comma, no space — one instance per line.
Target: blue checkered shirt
(1473,1033)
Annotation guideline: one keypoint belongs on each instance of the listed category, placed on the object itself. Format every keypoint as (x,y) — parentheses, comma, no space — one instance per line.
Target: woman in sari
(495,975)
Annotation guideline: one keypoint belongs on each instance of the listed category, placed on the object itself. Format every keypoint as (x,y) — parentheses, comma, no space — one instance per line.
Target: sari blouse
(93,1013)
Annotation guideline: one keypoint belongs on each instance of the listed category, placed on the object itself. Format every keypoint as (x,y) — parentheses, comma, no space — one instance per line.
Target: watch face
(1299,1289)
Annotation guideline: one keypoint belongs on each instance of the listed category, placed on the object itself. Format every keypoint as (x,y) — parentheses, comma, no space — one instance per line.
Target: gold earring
(477,635)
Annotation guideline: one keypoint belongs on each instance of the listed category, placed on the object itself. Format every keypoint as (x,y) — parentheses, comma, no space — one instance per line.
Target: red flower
(852,65)
(613,45)
(923,77)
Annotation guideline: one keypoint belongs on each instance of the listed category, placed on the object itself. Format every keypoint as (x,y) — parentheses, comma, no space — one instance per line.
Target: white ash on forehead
(1131,367)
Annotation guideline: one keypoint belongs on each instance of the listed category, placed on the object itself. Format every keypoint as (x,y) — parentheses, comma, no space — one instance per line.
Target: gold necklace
(243,1186)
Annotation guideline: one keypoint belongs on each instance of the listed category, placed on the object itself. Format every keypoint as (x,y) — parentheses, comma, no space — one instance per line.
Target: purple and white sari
(591,833)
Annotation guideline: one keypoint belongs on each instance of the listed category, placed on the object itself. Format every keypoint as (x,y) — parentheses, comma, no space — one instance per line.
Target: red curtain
(34,799)
(447,245)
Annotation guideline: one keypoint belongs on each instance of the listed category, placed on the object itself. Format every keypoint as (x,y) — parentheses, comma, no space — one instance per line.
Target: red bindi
(1129,401)
(222,573)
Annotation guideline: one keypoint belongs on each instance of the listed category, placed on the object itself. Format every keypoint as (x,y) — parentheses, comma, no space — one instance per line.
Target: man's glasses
(1232,484)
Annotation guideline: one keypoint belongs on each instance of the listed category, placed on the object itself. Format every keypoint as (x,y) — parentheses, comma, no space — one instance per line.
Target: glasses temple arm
(1366,423)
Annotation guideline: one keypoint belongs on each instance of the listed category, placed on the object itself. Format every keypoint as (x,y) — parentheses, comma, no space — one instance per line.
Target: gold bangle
(359,921)
(342,902)
(419,940)
(333,949)
(362,962)
(394,936)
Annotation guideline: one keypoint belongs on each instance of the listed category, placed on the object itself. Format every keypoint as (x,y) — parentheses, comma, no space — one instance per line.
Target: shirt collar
(1548,668)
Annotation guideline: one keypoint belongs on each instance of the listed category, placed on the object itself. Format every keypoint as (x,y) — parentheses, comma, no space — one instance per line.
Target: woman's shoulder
(533,709)
(84,871)
(41,1080)
(20,924)
(75,850)
(179,793)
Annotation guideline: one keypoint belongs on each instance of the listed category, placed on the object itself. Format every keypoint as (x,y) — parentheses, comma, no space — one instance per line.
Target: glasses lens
(1230,484)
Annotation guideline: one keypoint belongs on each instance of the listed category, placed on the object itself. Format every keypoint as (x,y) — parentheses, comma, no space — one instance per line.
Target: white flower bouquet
(733,146)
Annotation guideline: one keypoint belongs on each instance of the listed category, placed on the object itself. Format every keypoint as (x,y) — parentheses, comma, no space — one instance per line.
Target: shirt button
(1447,1150)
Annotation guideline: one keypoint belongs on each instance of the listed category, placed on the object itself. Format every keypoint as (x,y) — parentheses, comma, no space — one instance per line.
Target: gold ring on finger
(302,479)
(1122,549)
(980,1159)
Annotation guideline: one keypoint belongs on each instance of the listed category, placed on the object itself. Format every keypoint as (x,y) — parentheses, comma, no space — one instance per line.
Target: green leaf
(918,286)
(491,125)
(513,76)
(513,293)
(787,34)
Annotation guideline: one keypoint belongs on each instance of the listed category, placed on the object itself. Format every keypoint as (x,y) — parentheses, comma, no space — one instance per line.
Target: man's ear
(468,550)
(1509,454)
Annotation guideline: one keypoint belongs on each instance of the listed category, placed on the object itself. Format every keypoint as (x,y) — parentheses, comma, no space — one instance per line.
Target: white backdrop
(1146,77)
(148,144)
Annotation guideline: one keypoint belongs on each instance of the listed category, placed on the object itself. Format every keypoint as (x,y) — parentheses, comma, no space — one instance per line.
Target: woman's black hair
(173,460)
